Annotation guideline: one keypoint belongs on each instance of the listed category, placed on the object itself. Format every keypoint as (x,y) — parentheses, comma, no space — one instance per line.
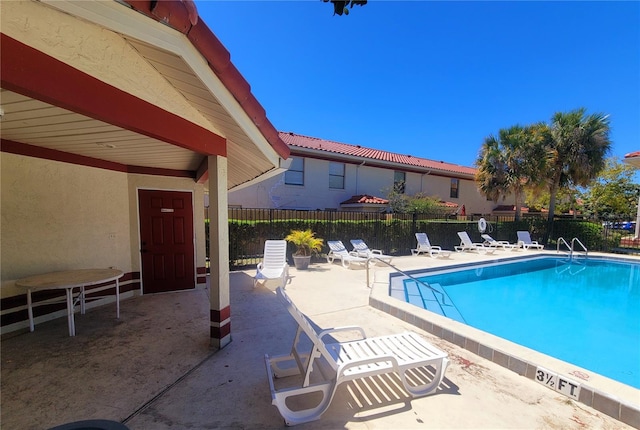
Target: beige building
(329,175)
(117,118)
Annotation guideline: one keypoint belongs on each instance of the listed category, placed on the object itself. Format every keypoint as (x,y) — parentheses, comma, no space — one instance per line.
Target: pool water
(582,312)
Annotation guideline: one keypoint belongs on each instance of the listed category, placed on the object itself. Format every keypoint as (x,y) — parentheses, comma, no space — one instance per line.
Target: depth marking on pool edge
(558,383)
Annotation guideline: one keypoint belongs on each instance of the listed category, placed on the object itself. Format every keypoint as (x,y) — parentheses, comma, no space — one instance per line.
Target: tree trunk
(518,196)
(553,191)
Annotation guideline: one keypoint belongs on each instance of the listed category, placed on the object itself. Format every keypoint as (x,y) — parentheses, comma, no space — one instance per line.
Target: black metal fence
(395,233)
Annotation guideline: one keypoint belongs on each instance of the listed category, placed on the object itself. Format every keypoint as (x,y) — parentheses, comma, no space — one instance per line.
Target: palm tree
(577,148)
(508,164)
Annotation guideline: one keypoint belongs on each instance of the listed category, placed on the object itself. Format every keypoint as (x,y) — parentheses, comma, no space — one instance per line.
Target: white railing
(571,248)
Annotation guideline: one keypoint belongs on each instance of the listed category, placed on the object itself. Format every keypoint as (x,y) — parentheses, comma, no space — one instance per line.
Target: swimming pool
(582,312)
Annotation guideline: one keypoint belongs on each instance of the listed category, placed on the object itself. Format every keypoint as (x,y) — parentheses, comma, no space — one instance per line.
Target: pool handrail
(416,280)
(575,239)
(571,248)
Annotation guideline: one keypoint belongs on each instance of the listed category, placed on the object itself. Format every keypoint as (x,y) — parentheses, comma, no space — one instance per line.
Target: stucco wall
(316,194)
(60,216)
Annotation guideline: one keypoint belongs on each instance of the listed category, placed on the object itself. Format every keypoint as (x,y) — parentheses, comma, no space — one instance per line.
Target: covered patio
(119,120)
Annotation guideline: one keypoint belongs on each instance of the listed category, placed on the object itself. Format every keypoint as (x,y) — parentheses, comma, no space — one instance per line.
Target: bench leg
(423,390)
(279,397)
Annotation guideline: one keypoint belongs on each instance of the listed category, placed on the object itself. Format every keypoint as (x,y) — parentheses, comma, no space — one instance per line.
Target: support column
(220,305)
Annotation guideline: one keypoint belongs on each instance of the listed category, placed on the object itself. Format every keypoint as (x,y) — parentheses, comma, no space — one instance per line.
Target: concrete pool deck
(154,369)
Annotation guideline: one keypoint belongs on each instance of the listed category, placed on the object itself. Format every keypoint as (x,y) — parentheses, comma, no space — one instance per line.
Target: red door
(166,240)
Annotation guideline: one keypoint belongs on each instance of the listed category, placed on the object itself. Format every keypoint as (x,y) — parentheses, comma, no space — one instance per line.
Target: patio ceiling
(251,149)
(33,122)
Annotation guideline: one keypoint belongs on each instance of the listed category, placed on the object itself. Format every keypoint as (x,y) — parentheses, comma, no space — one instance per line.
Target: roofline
(183,17)
(372,162)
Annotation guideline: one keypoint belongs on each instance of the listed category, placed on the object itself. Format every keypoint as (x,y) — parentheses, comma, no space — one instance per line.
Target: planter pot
(301,261)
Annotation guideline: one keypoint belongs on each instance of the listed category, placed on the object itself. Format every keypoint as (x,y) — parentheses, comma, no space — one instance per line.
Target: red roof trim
(176,14)
(30,72)
(416,164)
(365,199)
(18,148)
(633,154)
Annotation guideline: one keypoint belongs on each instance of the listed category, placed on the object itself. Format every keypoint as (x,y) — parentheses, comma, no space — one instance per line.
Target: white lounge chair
(361,249)
(337,251)
(274,263)
(524,241)
(425,246)
(498,244)
(327,363)
(467,245)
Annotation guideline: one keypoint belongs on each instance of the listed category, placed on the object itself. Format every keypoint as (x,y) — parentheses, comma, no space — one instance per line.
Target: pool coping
(596,391)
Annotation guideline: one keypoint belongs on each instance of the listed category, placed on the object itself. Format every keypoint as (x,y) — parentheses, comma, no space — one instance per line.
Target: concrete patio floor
(154,369)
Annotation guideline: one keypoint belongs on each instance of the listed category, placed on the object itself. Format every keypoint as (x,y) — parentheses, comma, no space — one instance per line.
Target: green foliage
(576,150)
(394,233)
(589,233)
(567,153)
(305,241)
(341,6)
(422,204)
(613,195)
(419,203)
(509,164)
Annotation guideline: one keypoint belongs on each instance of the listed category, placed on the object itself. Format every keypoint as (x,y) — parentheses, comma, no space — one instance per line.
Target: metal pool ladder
(456,313)
(571,250)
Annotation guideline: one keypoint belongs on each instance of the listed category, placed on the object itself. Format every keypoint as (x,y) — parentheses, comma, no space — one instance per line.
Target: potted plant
(306,244)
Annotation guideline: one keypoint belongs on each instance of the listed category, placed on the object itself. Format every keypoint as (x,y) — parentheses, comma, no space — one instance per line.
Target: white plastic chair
(322,364)
(274,263)
(337,251)
(467,245)
(524,241)
(490,241)
(425,246)
(361,249)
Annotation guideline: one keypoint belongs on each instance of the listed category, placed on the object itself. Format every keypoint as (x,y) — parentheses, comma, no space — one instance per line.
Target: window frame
(454,190)
(333,175)
(399,186)
(289,174)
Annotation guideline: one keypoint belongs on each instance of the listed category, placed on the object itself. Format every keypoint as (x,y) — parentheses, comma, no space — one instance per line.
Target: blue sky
(433,79)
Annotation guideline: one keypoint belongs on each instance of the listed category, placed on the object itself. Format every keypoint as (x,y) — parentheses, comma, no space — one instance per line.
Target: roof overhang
(364,161)
(633,159)
(191,104)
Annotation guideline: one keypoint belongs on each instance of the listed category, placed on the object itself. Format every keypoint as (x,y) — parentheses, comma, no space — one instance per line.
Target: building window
(336,175)
(399,180)
(455,187)
(295,174)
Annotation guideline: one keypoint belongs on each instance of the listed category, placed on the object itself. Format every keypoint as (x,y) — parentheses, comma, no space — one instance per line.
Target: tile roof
(632,158)
(365,198)
(297,140)
(632,154)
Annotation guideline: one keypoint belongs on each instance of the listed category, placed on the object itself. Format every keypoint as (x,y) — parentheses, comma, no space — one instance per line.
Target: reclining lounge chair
(327,363)
(524,241)
(361,249)
(337,251)
(467,245)
(498,244)
(425,246)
